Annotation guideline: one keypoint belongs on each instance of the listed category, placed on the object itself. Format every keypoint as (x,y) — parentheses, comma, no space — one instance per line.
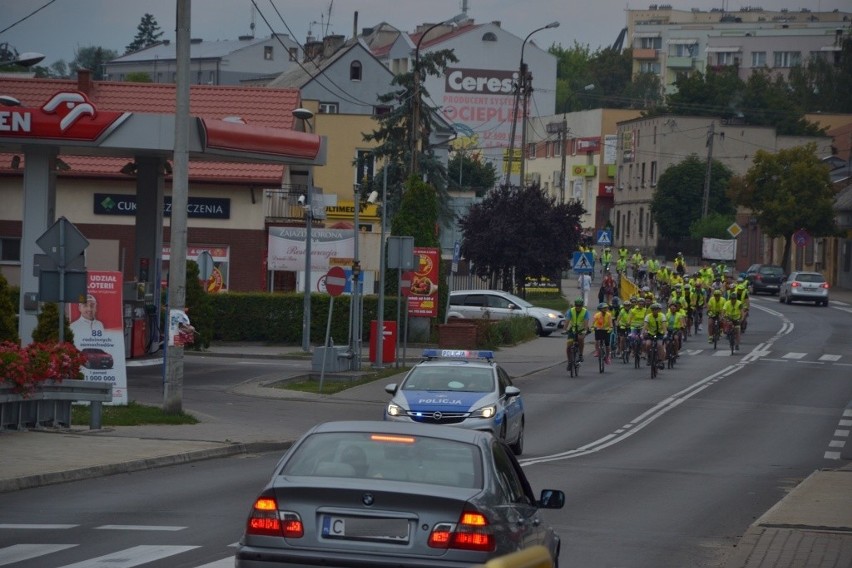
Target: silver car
(497,305)
(453,387)
(806,287)
(387,494)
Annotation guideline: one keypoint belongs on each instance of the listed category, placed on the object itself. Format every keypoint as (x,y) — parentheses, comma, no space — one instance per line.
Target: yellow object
(532,557)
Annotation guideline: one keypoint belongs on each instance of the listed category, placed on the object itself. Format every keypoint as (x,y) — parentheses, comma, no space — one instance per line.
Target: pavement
(810,527)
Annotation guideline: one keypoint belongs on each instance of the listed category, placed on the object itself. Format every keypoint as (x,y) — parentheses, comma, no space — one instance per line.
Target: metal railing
(285,204)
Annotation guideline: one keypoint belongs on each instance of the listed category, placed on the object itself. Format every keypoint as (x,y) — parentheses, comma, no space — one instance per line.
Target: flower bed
(24,368)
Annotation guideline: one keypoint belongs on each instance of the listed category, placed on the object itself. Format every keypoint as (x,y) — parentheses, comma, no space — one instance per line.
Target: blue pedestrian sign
(583,262)
(604,237)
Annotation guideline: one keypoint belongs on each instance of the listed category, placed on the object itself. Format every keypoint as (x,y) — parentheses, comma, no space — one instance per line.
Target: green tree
(823,85)
(147,33)
(767,101)
(586,79)
(8,321)
(713,226)
(93,58)
(788,190)
(510,235)
(198,307)
(715,94)
(476,174)
(47,328)
(679,199)
(138,77)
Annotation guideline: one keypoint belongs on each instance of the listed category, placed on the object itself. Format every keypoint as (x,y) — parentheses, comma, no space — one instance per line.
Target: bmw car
(373,493)
(453,387)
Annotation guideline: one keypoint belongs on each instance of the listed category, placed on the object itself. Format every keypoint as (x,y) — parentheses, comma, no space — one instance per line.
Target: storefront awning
(682,41)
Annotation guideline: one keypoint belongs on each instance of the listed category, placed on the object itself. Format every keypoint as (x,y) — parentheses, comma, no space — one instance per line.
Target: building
(668,42)
(224,62)
(647,146)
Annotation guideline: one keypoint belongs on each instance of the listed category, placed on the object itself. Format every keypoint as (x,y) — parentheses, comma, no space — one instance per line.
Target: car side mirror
(551,499)
(391,388)
(512,307)
(743,275)
(512,391)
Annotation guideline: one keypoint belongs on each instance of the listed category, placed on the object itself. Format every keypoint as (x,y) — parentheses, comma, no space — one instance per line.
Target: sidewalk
(811,526)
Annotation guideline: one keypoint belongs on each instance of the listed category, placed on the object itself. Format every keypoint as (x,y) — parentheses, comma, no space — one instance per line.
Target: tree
(138,77)
(147,33)
(679,199)
(93,58)
(472,171)
(767,101)
(8,321)
(788,190)
(47,328)
(713,226)
(510,235)
(715,94)
(198,306)
(607,71)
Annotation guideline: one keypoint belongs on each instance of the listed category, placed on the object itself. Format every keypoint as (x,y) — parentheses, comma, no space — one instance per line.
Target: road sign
(801,238)
(456,256)
(335,281)
(405,283)
(583,262)
(734,230)
(604,237)
(74,286)
(205,265)
(62,241)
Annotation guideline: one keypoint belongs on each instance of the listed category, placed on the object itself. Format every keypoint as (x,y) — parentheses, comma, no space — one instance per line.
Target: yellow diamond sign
(735,230)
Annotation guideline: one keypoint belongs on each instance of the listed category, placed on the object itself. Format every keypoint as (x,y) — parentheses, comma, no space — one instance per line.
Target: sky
(56,28)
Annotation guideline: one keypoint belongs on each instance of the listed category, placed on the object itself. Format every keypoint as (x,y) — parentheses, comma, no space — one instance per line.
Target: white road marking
(841,433)
(21,552)
(138,528)
(793,355)
(224,563)
(847,412)
(837,444)
(134,556)
(830,357)
(845,422)
(832,455)
(36,527)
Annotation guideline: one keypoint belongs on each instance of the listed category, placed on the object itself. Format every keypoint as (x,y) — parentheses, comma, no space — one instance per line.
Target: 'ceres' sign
(487,81)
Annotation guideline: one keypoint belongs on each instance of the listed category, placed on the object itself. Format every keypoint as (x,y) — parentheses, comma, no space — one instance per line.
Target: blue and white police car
(461,388)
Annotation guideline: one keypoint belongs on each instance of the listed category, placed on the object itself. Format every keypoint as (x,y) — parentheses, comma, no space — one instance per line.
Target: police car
(460,388)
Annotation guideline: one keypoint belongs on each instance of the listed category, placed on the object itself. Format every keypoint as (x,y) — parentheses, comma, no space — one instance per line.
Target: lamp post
(27,59)
(305,115)
(521,89)
(415,100)
(380,323)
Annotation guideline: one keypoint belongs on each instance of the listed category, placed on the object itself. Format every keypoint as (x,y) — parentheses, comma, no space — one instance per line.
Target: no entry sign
(335,281)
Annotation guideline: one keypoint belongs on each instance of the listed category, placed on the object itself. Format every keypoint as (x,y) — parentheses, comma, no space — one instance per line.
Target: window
(328,108)
(199,78)
(489,36)
(786,58)
(654,173)
(355,71)
(725,58)
(294,53)
(267,52)
(641,220)
(10,249)
(683,50)
(649,67)
(547,146)
(211,76)
(557,148)
(650,43)
(758,59)
(627,225)
(531,151)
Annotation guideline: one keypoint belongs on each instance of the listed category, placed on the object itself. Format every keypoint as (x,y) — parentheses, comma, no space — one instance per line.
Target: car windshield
(810,278)
(518,301)
(458,378)
(772,270)
(416,459)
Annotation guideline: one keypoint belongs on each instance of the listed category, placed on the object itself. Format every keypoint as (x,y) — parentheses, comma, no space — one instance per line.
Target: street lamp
(305,116)
(521,88)
(27,59)
(415,100)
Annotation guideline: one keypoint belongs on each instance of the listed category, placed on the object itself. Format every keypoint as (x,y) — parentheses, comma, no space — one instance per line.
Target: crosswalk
(58,555)
(780,356)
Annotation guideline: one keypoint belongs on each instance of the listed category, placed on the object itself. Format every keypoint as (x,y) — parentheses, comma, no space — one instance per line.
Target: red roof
(258,106)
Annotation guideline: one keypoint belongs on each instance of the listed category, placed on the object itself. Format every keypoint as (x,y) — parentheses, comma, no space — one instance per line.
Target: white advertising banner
(286,248)
(98,326)
(719,249)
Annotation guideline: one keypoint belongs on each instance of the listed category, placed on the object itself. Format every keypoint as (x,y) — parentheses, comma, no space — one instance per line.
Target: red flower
(26,367)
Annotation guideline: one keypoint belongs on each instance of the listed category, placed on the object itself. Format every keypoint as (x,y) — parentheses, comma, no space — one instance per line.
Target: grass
(553,301)
(134,414)
(337,385)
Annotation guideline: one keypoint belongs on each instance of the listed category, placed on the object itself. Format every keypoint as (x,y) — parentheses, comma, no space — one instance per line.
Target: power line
(33,13)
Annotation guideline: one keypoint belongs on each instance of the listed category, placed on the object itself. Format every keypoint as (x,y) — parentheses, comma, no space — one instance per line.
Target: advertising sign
(483,100)
(286,250)
(98,327)
(423,292)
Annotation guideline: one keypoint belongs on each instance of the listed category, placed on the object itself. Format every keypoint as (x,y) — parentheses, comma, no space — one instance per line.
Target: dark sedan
(765,278)
(394,494)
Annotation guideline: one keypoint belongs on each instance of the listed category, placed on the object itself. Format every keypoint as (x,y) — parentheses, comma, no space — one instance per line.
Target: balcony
(645,54)
(281,205)
(680,62)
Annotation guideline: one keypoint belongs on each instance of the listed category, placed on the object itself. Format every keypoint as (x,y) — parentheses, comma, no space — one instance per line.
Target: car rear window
(416,459)
(772,270)
(810,278)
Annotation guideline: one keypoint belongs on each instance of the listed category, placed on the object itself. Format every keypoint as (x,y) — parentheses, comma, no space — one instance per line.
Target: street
(666,472)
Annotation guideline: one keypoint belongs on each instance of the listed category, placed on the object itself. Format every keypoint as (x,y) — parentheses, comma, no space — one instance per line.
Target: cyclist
(715,307)
(608,286)
(698,299)
(674,326)
(622,325)
(606,259)
(602,323)
(643,271)
(653,268)
(620,267)
(733,310)
(655,326)
(742,292)
(577,325)
(680,264)
(623,253)
(635,259)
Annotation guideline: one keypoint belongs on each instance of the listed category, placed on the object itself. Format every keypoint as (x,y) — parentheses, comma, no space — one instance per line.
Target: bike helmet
(673,305)
(717,292)
(616,302)
(603,306)
(656,306)
(579,302)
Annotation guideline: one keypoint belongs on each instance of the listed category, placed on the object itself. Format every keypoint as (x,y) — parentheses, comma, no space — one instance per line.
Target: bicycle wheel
(697,322)
(715,335)
(601,355)
(571,356)
(652,359)
(731,340)
(637,355)
(625,353)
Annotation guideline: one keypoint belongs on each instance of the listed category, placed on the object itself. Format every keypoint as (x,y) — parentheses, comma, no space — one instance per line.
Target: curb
(140,465)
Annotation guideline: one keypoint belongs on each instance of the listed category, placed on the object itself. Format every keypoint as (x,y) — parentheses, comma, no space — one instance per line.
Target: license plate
(365,528)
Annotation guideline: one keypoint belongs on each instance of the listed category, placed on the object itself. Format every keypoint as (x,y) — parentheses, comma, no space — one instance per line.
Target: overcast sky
(59,27)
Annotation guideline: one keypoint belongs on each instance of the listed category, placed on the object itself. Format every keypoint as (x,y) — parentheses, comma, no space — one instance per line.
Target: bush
(8,309)
(47,328)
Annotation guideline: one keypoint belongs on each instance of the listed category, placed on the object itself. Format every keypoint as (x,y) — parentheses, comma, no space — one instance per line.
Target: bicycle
(698,318)
(714,323)
(730,332)
(634,349)
(601,345)
(573,355)
(652,356)
(669,344)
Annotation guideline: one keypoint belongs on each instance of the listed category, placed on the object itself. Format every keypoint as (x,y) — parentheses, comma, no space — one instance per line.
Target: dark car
(766,278)
(373,493)
(97,358)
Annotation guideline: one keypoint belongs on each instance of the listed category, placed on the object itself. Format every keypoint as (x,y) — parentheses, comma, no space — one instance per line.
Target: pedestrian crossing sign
(604,237)
(582,262)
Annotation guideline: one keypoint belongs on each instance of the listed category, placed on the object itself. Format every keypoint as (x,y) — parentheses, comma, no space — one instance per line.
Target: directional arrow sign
(62,242)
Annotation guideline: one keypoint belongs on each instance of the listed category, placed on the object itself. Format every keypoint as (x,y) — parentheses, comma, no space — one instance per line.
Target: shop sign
(423,291)
(196,207)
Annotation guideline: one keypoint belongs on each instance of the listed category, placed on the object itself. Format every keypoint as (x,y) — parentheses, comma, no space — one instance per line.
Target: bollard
(95,418)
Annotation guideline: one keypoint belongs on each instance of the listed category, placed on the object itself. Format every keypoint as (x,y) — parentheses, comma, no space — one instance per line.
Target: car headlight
(484,412)
(395,410)
(552,316)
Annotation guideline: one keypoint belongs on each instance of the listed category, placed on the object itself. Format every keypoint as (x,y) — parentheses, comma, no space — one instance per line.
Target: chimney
(330,44)
(355,25)
(313,50)
(84,81)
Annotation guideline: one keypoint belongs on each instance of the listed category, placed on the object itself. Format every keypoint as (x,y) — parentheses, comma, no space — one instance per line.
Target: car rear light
(824,285)
(266,520)
(795,284)
(471,532)
(758,277)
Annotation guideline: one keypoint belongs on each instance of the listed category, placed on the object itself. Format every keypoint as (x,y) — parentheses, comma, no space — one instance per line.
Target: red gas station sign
(67,115)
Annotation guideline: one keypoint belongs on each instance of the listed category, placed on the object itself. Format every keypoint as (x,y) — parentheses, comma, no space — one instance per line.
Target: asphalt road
(657,473)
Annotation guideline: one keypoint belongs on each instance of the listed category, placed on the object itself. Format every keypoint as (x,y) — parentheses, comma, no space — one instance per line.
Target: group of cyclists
(668,308)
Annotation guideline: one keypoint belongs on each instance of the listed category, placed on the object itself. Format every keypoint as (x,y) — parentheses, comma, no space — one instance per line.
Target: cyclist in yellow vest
(733,310)
(715,308)
(680,264)
(622,325)
(675,324)
(577,325)
(655,326)
(602,324)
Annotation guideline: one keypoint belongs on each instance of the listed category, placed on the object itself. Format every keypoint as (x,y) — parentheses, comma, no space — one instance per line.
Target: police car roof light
(457,354)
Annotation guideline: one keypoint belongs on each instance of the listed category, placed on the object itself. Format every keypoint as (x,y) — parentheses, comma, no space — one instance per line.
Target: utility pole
(519,87)
(563,137)
(710,135)
(526,95)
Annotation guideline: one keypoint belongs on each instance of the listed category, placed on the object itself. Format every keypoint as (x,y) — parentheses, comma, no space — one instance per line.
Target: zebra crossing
(58,555)
(765,355)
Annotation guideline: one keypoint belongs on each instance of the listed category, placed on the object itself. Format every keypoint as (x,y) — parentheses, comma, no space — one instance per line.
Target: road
(657,473)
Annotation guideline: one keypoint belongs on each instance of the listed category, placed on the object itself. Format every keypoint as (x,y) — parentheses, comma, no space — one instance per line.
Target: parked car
(372,493)
(97,358)
(493,304)
(764,278)
(467,389)
(805,286)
